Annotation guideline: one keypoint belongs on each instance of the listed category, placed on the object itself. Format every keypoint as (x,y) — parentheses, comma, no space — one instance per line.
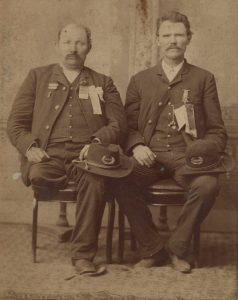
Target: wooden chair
(163,193)
(64,196)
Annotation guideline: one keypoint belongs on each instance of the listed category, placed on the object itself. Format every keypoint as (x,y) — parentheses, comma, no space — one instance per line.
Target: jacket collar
(58,75)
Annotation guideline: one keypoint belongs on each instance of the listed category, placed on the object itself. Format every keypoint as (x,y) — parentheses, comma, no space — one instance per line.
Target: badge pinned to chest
(185,115)
(95,99)
(83,92)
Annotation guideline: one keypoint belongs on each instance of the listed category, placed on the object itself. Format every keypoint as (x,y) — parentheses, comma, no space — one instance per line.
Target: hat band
(91,163)
(207,167)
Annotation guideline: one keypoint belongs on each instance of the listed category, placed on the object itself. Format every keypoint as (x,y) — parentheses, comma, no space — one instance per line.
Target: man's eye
(81,43)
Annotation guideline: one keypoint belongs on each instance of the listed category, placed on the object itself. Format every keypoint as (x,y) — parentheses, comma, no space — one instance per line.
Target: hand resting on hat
(144,155)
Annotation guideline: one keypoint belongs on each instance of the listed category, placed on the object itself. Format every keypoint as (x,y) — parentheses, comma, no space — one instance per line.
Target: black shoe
(157,259)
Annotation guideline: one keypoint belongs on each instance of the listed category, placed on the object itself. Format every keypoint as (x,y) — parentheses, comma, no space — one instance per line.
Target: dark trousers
(201,194)
(53,174)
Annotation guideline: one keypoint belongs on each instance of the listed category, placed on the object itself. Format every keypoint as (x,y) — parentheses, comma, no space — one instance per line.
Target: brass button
(169,113)
(70,97)
(71,137)
(64,88)
(70,105)
(169,135)
(168,146)
(57,107)
(70,126)
(160,103)
(150,122)
(70,116)
(169,87)
(47,127)
(169,103)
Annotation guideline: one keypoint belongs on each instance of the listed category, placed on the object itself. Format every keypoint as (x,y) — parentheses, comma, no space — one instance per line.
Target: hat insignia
(196,160)
(109,161)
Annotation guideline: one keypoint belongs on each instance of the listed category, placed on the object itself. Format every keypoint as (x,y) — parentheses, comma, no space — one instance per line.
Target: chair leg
(163,225)
(196,246)
(133,242)
(62,220)
(34,228)
(121,229)
(110,226)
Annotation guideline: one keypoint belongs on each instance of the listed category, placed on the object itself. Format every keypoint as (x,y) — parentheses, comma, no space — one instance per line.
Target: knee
(206,186)
(92,181)
(36,175)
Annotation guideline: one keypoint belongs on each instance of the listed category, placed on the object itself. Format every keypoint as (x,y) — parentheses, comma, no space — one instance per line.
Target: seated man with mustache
(58,112)
(170,107)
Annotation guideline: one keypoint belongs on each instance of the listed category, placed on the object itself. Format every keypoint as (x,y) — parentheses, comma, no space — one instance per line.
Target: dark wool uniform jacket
(149,92)
(33,114)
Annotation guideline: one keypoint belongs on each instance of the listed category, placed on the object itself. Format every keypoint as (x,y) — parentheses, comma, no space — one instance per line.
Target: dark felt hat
(106,160)
(203,157)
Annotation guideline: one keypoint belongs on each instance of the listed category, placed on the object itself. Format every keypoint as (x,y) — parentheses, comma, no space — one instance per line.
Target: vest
(166,136)
(71,124)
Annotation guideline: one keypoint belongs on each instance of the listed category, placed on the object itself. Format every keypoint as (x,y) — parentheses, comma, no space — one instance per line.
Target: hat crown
(104,155)
(202,154)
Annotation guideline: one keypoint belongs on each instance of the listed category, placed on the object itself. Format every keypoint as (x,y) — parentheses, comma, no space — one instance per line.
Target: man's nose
(73,47)
(172,39)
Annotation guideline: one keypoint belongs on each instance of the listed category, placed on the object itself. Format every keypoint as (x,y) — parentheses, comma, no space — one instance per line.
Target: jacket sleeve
(215,129)
(132,108)
(20,118)
(115,130)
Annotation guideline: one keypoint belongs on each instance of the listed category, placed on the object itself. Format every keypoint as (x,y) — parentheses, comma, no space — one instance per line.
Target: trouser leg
(88,216)
(202,191)
(129,195)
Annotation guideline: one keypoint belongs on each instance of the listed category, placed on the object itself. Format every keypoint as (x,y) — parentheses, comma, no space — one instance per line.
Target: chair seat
(165,192)
(68,194)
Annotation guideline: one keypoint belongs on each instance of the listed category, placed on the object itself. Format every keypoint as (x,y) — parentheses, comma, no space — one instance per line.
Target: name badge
(83,92)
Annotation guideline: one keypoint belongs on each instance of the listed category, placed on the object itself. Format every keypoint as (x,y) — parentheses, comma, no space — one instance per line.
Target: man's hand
(144,155)
(83,153)
(35,155)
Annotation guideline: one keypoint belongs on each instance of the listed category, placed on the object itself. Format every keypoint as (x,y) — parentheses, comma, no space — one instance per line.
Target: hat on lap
(106,160)
(203,157)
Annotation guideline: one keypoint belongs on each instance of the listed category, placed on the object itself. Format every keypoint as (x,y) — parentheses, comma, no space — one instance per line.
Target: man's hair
(87,31)
(175,17)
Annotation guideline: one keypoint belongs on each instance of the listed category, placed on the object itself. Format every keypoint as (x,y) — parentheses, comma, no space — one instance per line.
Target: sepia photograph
(119,150)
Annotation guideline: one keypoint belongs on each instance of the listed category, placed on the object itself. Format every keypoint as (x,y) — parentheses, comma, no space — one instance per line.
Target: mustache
(72,55)
(173,47)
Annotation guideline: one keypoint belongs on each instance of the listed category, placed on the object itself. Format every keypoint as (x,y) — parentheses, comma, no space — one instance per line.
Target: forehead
(73,32)
(168,26)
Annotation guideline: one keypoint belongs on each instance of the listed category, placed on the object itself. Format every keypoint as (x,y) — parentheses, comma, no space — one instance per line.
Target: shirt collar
(169,69)
(70,74)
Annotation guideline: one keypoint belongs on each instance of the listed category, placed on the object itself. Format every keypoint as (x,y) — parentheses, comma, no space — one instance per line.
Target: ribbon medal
(95,100)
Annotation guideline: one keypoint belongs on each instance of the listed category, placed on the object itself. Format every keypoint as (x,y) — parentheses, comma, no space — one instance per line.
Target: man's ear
(189,39)
(158,41)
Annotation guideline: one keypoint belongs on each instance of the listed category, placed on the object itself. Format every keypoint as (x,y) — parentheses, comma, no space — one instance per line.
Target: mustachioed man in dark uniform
(169,106)
(58,112)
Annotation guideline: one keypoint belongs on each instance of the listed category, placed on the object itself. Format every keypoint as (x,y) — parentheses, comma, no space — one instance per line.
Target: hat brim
(126,167)
(227,165)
